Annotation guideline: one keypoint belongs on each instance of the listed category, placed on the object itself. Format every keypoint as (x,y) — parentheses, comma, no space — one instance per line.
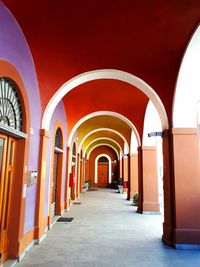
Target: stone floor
(107,231)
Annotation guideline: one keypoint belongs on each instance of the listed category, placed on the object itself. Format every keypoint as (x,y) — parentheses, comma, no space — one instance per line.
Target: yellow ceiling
(104,121)
(103,134)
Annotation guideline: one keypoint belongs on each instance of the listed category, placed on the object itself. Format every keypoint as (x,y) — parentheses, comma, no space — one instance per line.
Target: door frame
(109,168)
(59,177)
(18,194)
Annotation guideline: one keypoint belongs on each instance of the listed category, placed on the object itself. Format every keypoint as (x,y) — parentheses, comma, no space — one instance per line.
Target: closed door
(7,152)
(102,174)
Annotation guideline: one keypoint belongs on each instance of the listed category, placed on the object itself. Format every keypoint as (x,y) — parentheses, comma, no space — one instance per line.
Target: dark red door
(102,174)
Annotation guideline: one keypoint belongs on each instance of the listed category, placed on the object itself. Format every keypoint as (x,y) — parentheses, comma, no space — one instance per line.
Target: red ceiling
(145,38)
(106,95)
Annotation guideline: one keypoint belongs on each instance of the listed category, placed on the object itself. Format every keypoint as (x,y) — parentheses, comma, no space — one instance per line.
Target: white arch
(187,93)
(109,168)
(101,113)
(152,123)
(101,138)
(134,144)
(103,129)
(103,144)
(104,74)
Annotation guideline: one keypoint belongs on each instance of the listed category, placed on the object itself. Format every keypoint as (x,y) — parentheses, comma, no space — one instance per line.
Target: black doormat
(77,203)
(64,219)
(92,189)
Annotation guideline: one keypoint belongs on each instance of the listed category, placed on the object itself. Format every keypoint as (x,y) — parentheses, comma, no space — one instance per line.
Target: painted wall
(91,163)
(59,114)
(15,50)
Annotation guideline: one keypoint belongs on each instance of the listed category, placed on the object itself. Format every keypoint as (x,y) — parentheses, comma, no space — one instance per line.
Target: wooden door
(7,152)
(54,183)
(102,174)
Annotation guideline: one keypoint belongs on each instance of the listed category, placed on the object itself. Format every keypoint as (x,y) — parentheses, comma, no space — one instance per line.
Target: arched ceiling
(109,95)
(102,143)
(104,122)
(145,38)
(103,134)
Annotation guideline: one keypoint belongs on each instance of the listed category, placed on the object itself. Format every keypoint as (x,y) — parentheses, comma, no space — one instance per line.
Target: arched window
(58,139)
(10,107)
(81,154)
(74,149)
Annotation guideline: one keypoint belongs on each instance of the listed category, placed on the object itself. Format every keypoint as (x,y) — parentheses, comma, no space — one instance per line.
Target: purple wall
(14,49)
(59,114)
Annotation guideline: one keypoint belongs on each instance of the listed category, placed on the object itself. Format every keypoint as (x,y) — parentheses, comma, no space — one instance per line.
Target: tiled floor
(107,231)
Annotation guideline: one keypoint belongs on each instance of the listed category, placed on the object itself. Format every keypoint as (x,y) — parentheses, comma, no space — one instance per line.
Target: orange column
(167,188)
(148,184)
(40,222)
(78,175)
(81,175)
(120,168)
(125,171)
(67,195)
(129,176)
(186,154)
(133,174)
(84,170)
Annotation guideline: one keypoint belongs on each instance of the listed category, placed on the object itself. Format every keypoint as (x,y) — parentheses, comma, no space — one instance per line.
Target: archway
(187,93)
(57,166)
(104,129)
(104,74)
(102,138)
(100,113)
(103,170)
(103,144)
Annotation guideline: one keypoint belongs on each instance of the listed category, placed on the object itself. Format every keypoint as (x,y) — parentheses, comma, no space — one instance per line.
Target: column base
(149,207)
(167,234)
(186,237)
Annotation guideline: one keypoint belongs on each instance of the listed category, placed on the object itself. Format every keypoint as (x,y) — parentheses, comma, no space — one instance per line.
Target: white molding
(103,144)
(101,138)
(103,113)
(109,168)
(102,129)
(104,74)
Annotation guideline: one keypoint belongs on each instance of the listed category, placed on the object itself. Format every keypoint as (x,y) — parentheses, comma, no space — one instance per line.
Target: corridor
(106,231)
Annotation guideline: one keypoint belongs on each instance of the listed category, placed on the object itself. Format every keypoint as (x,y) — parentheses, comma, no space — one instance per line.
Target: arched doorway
(102,173)
(12,145)
(57,174)
(103,170)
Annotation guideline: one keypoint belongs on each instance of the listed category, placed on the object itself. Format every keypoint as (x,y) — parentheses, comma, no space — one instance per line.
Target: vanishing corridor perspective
(106,230)
(99,97)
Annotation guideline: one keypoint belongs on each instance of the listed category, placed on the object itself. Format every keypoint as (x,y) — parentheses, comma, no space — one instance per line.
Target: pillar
(67,195)
(133,174)
(129,176)
(121,168)
(125,170)
(167,188)
(148,180)
(40,223)
(186,186)
(77,175)
(81,175)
